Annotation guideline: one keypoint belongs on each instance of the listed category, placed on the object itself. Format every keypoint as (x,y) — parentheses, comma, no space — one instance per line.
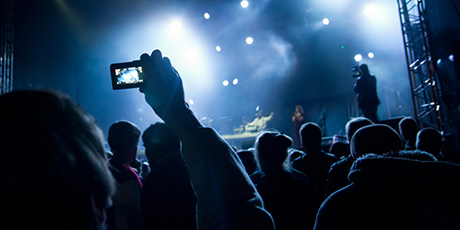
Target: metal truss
(6,46)
(423,78)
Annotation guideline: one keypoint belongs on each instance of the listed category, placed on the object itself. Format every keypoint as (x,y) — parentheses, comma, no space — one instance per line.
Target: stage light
(218,49)
(244,3)
(175,27)
(207,16)
(370,10)
(326,21)
(225,83)
(451,57)
(358,57)
(235,81)
(249,40)
(191,102)
(371,55)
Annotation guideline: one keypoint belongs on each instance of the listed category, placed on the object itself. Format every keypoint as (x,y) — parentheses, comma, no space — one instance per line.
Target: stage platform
(241,140)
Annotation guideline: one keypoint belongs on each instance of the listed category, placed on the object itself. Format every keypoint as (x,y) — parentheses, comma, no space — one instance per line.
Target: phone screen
(126,75)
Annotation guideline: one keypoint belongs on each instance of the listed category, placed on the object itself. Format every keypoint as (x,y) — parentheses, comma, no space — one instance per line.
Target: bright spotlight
(218,49)
(244,3)
(371,55)
(225,83)
(326,21)
(358,57)
(370,10)
(175,27)
(249,40)
(207,16)
(451,57)
(235,81)
(191,102)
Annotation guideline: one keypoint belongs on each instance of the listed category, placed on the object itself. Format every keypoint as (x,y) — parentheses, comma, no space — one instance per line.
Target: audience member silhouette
(287,193)
(338,173)
(125,213)
(430,140)
(168,200)
(64,181)
(226,197)
(339,149)
(294,154)
(248,160)
(377,139)
(406,190)
(315,163)
(408,130)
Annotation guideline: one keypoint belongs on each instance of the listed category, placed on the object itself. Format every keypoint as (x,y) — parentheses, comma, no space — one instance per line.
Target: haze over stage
(233,56)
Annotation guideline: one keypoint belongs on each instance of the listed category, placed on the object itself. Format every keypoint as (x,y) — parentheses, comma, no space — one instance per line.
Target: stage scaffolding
(6,45)
(423,78)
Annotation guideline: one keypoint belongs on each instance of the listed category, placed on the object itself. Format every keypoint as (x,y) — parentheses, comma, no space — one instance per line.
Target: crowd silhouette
(61,178)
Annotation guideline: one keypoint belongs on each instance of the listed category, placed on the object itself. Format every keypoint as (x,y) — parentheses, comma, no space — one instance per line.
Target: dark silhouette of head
(64,181)
(159,142)
(364,69)
(408,130)
(248,160)
(271,151)
(310,136)
(339,149)
(430,140)
(354,124)
(123,139)
(377,138)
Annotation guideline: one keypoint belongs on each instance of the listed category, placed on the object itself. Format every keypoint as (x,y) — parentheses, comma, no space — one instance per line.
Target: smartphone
(126,75)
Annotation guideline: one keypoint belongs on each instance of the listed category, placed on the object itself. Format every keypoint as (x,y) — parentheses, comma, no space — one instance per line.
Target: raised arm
(227,199)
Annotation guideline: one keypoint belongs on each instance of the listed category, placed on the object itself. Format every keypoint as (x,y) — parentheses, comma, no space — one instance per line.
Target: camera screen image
(129,75)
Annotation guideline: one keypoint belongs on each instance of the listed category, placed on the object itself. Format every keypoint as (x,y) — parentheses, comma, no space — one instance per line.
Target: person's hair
(310,134)
(364,68)
(300,108)
(408,129)
(430,140)
(63,176)
(159,139)
(248,160)
(354,124)
(377,138)
(123,135)
(271,150)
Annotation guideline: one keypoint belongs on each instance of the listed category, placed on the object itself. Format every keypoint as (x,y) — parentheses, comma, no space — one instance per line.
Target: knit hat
(377,138)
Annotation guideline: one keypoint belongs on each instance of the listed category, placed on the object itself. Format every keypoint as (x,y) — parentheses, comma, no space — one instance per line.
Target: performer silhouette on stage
(297,119)
(259,123)
(366,88)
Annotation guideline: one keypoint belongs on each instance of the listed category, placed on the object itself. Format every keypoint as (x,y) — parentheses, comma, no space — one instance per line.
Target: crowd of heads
(65,181)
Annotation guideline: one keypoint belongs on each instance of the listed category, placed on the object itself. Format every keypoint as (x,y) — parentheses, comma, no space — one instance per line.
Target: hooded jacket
(409,190)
